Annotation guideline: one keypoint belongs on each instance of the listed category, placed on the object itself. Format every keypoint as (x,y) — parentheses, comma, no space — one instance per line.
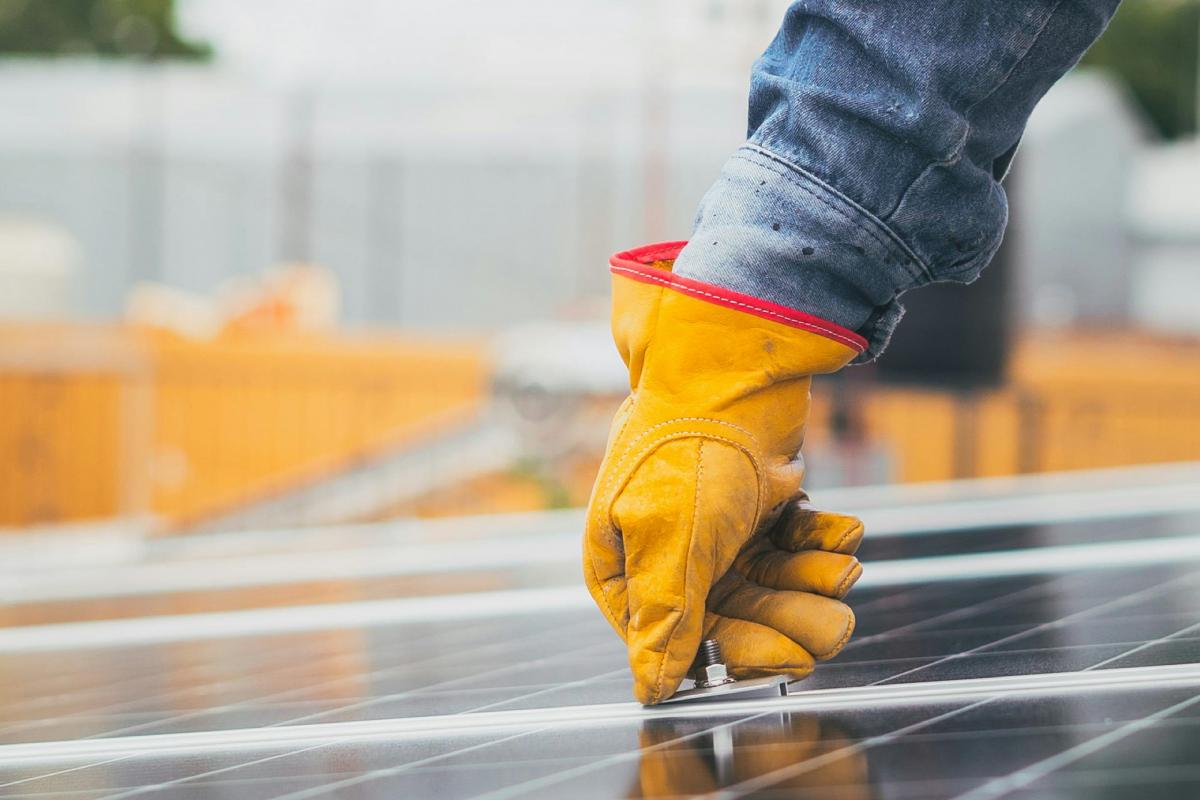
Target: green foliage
(129,28)
(1153,46)
(554,493)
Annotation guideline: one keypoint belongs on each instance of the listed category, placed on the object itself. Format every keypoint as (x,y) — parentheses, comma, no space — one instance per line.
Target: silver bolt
(709,670)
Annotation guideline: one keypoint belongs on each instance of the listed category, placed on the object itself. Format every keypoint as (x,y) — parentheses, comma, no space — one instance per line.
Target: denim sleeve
(879,133)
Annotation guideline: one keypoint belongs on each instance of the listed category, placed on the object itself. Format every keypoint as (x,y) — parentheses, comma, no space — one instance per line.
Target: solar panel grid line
(1102,556)
(1023,778)
(763,782)
(766,780)
(139,678)
(264,569)
(1068,649)
(351,678)
(1102,479)
(376,700)
(176,694)
(1131,490)
(1194,628)
(962,612)
(738,790)
(1095,484)
(394,532)
(129,724)
(1123,600)
(391,771)
(510,699)
(1079,506)
(231,784)
(957,613)
(529,695)
(256,674)
(1003,785)
(377,774)
(292,619)
(1137,646)
(522,788)
(275,568)
(223,770)
(1039,685)
(276,757)
(1143,779)
(482,650)
(1005,618)
(884,572)
(488,669)
(68,770)
(999,786)
(190,627)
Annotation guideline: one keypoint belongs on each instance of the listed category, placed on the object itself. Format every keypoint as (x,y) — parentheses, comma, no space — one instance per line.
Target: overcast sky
(397,39)
(503,41)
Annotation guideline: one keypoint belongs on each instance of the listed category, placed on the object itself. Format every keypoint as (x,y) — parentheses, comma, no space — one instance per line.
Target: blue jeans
(879,133)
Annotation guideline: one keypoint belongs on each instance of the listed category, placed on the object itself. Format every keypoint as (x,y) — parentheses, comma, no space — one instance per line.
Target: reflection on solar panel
(995,656)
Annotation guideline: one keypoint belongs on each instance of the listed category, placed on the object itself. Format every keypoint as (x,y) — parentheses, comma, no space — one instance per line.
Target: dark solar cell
(474,705)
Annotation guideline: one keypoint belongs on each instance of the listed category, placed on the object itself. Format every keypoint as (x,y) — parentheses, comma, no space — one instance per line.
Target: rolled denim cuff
(771,230)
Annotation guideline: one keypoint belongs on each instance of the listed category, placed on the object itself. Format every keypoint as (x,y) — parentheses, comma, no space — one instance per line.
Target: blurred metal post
(965,458)
(653,123)
(385,231)
(148,168)
(1031,426)
(296,182)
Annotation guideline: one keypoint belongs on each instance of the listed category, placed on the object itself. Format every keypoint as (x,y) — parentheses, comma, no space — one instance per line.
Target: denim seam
(849,219)
(802,173)
(961,146)
(914,278)
(896,248)
(874,328)
(1004,80)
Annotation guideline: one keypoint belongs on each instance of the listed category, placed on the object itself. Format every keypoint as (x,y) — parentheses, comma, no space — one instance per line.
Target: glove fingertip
(662,647)
(851,576)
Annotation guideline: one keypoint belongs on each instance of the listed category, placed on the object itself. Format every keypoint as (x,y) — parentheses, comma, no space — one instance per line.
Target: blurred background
(304,262)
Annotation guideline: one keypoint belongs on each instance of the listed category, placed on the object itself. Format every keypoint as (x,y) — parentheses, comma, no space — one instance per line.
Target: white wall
(481,194)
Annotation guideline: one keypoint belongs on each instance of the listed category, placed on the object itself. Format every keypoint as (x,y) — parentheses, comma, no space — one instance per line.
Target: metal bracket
(713,681)
(754,688)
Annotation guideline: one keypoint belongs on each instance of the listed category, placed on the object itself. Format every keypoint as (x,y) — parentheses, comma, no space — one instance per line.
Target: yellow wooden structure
(1072,401)
(103,421)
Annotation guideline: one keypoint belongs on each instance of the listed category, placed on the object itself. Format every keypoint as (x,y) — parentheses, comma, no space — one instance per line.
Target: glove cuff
(652,264)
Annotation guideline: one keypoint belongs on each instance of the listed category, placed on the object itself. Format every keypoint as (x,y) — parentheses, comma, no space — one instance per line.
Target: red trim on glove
(637,264)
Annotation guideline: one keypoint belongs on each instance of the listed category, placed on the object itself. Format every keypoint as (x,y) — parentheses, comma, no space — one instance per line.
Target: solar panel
(1068,667)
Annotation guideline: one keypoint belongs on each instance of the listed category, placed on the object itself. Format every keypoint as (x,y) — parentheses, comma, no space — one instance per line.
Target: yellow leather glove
(701,461)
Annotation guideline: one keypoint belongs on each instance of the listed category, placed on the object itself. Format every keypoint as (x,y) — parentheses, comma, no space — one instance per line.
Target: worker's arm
(697,526)
(878,136)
